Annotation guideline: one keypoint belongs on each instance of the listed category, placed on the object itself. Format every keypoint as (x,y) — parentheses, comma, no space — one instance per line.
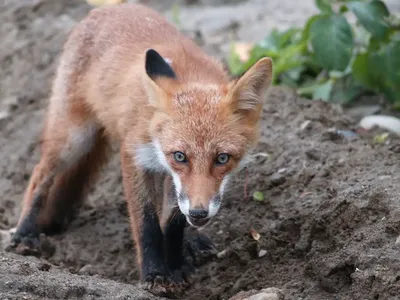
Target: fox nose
(198,214)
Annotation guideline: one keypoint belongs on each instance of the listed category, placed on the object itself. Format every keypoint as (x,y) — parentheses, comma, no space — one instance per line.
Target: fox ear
(246,96)
(160,79)
(157,67)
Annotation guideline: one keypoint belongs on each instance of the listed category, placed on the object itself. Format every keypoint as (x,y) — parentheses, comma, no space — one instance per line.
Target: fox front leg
(183,252)
(173,224)
(139,187)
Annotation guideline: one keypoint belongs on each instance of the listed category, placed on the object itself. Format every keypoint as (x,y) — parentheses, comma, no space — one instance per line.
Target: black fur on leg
(152,244)
(25,240)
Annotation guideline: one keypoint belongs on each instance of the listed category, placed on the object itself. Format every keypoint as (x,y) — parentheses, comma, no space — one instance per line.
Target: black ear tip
(151,54)
(156,66)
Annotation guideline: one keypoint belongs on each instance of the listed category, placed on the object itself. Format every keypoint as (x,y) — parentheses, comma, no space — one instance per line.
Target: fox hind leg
(70,187)
(58,180)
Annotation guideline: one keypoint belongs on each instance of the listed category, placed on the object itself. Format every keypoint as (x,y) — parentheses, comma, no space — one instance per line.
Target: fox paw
(184,275)
(30,245)
(199,248)
(162,286)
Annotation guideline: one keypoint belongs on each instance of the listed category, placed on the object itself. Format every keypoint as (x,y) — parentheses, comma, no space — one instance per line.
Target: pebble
(386,122)
(277,179)
(262,253)
(264,296)
(221,254)
(305,125)
(4,115)
(348,134)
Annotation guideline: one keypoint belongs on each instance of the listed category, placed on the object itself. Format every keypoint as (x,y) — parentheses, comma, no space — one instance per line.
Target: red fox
(183,125)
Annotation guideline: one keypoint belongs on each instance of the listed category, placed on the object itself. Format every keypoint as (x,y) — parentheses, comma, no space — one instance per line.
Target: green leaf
(295,73)
(323,91)
(324,6)
(258,196)
(290,36)
(343,9)
(332,42)
(318,91)
(361,70)
(306,31)
(277,40)
(381,138)
(380,70)
(290,58)
(272,41)
(371,16)
(392,58)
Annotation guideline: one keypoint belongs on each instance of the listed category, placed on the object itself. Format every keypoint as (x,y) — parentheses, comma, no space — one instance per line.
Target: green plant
(332,60)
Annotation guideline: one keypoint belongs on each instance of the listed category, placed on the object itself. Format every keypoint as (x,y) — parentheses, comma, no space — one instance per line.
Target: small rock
(282,170)
(4,115)
(264,296)
(348,134)
(262,253)
(222,254)
(277,179)
(305,125)
(385,122)
(397,243)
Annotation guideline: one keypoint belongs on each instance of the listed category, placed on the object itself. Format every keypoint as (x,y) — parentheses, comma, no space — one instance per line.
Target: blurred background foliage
(332,58)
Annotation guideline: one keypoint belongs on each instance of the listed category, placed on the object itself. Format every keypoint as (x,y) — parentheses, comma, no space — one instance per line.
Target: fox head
(201,133)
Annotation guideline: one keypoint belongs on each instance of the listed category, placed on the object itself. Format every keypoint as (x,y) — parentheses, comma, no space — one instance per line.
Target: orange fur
(102,91)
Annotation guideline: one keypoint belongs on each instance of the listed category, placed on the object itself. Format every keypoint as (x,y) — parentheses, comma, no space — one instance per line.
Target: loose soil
(328,225)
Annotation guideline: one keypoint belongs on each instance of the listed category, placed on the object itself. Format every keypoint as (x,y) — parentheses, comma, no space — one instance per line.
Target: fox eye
(222,158)
(180,157)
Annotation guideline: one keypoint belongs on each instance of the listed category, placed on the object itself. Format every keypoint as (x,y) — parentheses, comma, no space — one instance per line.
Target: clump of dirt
(328,226)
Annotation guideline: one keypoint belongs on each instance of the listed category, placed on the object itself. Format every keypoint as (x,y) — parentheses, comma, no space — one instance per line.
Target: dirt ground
(329,225)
